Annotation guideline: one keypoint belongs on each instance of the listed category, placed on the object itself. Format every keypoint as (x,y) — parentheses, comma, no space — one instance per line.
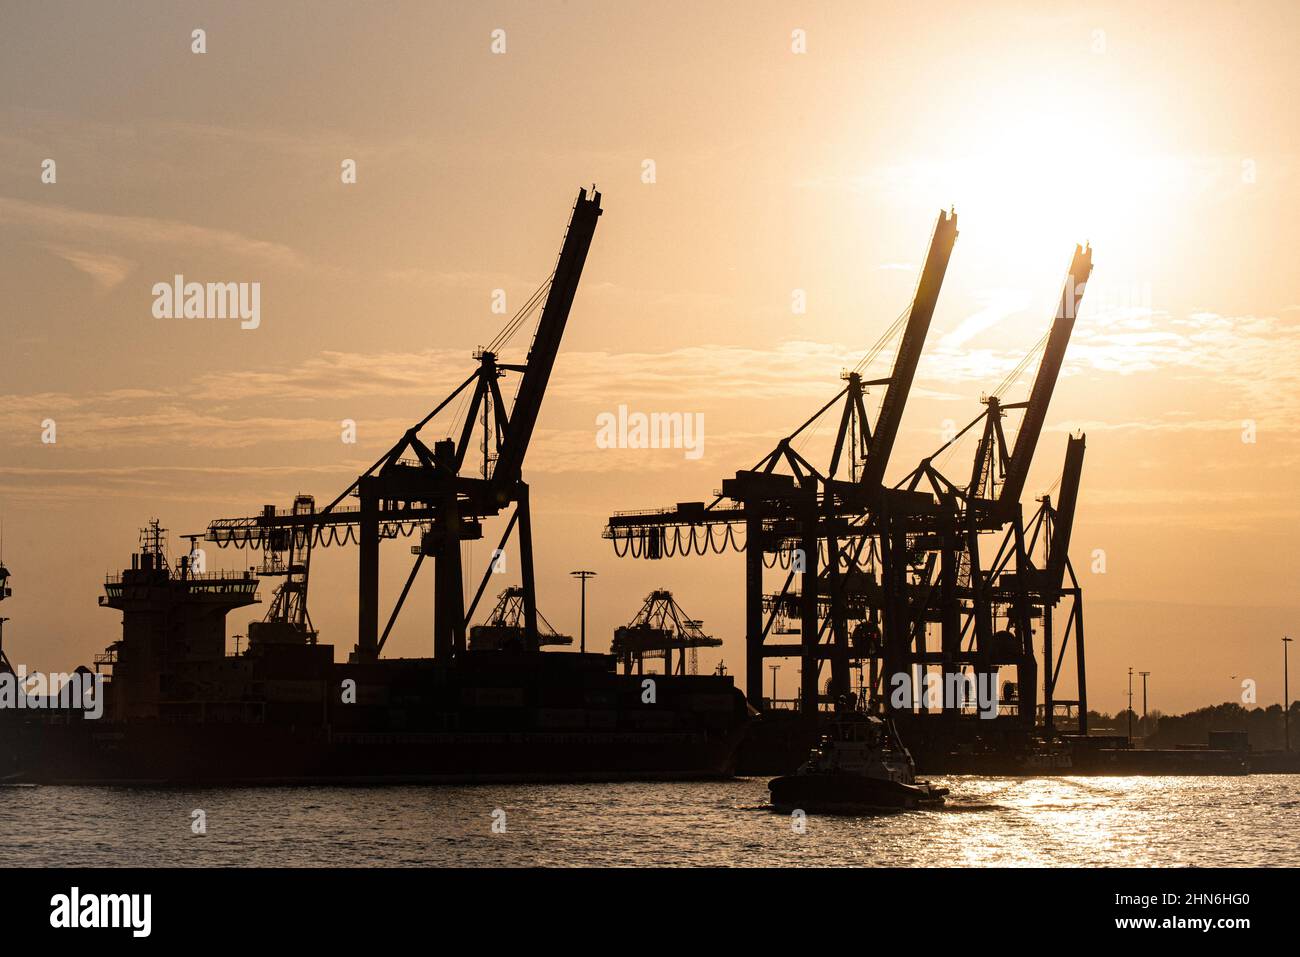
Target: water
(1133,821)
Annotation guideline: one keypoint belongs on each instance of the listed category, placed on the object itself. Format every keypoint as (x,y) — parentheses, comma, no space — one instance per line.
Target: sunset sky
(1164,134)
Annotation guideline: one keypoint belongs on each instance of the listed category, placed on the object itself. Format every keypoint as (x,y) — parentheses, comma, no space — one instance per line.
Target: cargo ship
(178,709)
(494,702)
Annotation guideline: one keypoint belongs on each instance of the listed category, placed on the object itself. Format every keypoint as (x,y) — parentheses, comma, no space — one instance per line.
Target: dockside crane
(1049,370)
(417,488)
(999,470)
(1051,580)
(658,629)
(986,610)
(899,386)
(504,629)
(286,555)
(789,514)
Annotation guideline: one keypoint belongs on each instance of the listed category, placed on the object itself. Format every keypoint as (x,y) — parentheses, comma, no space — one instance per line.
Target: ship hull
(485,717)
(849,794)
(145,755)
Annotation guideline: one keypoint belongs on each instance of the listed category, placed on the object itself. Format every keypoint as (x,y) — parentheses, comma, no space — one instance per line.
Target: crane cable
(877,347)
(894,328)
(503,337)
(508,331)
(1021,366)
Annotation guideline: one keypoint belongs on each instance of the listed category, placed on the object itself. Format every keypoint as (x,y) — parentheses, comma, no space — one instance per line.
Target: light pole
(1144,700)
(1286,695)
(583,576)
(775,669)
(1130,707)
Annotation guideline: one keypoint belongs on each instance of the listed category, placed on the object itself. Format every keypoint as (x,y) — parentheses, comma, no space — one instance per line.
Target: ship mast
(5,592)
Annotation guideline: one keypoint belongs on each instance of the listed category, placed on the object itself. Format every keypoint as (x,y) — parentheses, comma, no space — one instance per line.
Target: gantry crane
(1051,580)
(789,514)
(998,473)
(504,629)
(985,611)
(286,554)
(881,566)
(417,488)
(658,629)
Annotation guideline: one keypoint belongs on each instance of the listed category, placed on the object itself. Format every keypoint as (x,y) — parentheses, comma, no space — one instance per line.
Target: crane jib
(546,340)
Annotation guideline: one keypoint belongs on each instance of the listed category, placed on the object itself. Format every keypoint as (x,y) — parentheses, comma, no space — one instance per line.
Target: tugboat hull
(850,794)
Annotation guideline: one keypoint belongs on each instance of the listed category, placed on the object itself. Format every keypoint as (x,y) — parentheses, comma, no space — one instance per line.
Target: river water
(1067,822)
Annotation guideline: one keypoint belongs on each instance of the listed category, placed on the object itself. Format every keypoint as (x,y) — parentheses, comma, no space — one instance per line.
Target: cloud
(220,413)
(1000,304)
(335,375)
(76,225)
(1165,424)
(101,422)
(1258,356)
(57,484)
(789,369)
(105,269)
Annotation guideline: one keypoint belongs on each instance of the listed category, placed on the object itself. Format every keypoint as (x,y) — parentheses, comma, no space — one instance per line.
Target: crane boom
(1031,426)
(414,488)
(909,349)
(546,340)
(1058,548)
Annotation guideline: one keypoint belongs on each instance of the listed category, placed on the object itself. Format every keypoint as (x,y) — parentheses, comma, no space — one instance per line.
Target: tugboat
(860,767)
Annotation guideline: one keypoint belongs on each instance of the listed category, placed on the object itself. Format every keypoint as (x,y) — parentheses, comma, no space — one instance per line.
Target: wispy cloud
(999,304)
(56,484)
(335,375)
(105,269)
(67,225)
(1257,358)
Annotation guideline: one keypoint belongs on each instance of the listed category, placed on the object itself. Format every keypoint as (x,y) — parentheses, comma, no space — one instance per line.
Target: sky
(1163,134)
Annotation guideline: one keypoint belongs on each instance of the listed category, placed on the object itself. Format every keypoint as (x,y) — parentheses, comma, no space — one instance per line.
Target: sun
(1035,171)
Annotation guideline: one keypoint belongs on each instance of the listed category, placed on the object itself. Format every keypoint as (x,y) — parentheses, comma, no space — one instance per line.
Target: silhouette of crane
(417,488)
(882,568)
(656,631)
(788,513)
(505,629)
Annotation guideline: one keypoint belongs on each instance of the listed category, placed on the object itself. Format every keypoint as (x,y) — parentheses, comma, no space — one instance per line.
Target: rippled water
(1172,821)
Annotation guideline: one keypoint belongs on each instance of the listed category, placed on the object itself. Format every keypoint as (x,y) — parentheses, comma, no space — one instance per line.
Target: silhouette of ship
(860,766)
(489,705)
(179,710)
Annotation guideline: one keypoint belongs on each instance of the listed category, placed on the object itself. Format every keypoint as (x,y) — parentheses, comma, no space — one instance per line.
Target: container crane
(1051,580)
(984,605)
(505,630)
(791,514)
(657,629)
(1049,370)
(415,488)
(999,471)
